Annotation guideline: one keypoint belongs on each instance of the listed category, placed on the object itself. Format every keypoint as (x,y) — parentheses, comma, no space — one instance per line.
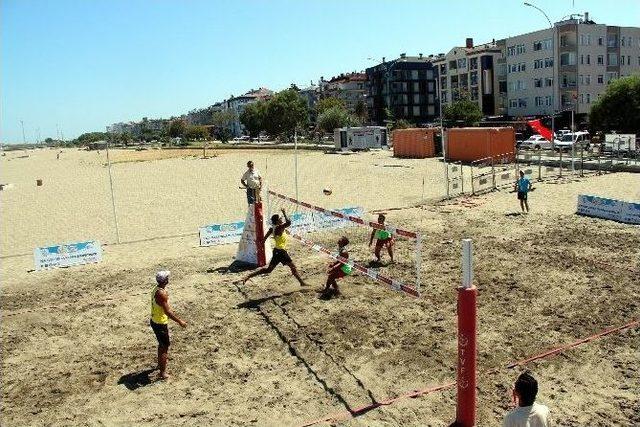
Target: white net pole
(418,255)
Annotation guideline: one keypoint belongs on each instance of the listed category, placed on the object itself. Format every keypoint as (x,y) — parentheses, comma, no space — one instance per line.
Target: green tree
(177,128)
(335,117)
(196,132)
(284,112)
(89,137)
(253,117)
(222,121)
(402,124)
(330,102)
(362,112)
(463,112)
(618,109)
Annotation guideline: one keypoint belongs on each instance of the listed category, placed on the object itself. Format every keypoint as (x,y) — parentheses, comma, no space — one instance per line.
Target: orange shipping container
(414,143)
(469,144)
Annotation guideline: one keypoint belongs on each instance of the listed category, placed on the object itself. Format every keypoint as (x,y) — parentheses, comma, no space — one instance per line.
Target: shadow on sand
(135,380)
(234,267)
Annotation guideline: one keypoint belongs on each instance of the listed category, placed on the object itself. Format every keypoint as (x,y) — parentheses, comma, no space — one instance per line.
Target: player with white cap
(160,315)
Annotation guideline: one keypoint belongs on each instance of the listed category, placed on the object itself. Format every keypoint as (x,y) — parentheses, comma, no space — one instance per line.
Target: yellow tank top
(281,241)
(158,315)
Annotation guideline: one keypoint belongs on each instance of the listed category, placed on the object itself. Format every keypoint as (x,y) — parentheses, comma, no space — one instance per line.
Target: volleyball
(326,191)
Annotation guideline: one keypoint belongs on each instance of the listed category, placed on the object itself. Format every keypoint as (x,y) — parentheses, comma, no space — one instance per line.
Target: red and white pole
(467,350)
(259,218)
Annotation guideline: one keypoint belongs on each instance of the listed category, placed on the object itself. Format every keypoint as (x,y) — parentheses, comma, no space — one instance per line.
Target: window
(612,40)
(538,63)
(473,63)
(548,82)
(587,79)
(520,49)
(621,41)
(521,85)
(537,45)
(474,93)
(588,59)
(431,86)
(443,68)
(414,74)
(511,50)
(513,103)
(600,41)
(548,62)
(452,65)
(581,79)
(612,59)
(629,60)
(588,98)
(581,59)
(600,59)
(600,79)
(416,110)
(522,66)
(416,86)
(621,59)
(502,87)
(581,98)
(522,102)
(537,82)
(405,110)
(568,58)
(462,63)
(416,98)
(611,75)
(429,74)
(539,101)
(547,100)
(513,68)
(563,40)
(474,78)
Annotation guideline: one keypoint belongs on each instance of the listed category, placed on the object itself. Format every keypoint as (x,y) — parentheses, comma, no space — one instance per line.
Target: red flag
(539,127)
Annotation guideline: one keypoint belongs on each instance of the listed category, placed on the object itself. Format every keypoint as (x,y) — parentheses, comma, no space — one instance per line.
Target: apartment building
(350,88)
(469,71)
(405,86)
(238,103)
(567,67)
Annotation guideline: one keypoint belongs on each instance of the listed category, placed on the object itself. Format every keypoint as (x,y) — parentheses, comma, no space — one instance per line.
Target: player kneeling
(337,270)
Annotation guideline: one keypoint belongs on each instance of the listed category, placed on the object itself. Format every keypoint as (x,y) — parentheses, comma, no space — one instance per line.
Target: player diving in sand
(280,254)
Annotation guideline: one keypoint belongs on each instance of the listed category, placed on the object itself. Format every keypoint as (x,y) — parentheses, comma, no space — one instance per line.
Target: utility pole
(24,140)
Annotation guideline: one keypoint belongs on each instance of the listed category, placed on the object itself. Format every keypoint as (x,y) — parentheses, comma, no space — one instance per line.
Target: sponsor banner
(631,213)
(220,234)
(602,207)
(67,255)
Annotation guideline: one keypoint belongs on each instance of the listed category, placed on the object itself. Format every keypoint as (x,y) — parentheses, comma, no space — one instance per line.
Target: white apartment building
(470,71)
(238,103)
(567,67)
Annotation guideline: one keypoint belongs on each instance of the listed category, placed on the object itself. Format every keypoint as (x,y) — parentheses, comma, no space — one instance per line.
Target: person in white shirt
(528,413)
(252,181)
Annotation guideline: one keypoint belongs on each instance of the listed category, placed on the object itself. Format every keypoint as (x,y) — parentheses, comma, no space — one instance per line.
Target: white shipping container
(616,143)
(360,138)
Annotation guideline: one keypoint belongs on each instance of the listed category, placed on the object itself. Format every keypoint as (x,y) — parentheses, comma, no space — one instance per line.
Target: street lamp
(553,71)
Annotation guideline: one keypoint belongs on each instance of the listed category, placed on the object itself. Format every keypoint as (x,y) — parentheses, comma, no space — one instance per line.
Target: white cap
(163,276)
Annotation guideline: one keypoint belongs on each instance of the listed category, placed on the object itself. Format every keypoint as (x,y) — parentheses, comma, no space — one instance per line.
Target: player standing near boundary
(160,315)
(523,186)
(383,238)
(280,254)
(337,270)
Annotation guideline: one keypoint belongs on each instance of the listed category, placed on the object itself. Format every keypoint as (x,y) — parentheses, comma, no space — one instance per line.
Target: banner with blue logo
(602,207)
(301,222)
(67,255)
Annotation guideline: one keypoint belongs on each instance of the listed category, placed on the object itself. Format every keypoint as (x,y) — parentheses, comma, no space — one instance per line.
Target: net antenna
(314,218)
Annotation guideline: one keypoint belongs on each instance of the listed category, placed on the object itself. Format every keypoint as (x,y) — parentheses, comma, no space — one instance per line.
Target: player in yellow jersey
(160,315)
(280,255)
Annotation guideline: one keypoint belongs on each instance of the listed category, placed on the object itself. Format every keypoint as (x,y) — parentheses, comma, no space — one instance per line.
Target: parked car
(566,141)
(536,142)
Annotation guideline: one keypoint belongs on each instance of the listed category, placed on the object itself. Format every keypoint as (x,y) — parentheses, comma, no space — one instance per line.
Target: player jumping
(383,238)
(280,254)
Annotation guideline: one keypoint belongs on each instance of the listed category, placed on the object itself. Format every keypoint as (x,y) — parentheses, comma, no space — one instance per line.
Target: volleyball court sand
(272,353)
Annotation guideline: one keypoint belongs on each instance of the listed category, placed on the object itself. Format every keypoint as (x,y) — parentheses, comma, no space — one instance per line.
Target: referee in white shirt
(252,181)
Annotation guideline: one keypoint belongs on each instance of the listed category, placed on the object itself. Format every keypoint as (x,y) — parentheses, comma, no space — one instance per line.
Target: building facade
(567,67)
(405,87)
(351,88)
(237,104)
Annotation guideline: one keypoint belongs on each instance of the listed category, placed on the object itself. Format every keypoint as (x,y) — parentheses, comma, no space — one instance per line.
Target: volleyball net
(314,227)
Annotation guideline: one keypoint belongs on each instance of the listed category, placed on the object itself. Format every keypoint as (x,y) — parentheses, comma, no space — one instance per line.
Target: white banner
(220,234)
(602,207)
(67,255)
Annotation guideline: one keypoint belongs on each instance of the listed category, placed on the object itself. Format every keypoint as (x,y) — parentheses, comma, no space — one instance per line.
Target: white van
(566,141)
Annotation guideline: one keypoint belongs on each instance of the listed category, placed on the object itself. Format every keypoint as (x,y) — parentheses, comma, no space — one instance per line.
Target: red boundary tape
(377,226)
(417,393)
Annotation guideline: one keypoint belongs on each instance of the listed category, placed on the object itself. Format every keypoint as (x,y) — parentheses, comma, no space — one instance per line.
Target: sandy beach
(77,345)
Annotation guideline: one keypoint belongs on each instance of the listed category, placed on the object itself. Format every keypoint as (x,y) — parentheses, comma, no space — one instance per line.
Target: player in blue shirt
(523,185)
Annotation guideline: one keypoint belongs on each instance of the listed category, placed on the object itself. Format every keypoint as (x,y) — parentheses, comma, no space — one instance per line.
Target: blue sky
(84,64)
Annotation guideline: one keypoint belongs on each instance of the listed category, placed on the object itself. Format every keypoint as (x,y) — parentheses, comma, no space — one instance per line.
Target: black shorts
(522,195)
(162,333)
(280,256)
